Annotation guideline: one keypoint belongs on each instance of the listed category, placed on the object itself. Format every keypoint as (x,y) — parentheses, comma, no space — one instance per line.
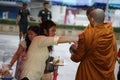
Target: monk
(96,50)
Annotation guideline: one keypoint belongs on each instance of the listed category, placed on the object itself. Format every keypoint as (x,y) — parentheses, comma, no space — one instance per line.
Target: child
(20,54)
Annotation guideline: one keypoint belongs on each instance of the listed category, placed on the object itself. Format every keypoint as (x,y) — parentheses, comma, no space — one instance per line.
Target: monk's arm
(80,51)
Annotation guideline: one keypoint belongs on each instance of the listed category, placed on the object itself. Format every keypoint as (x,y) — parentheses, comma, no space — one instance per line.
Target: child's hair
(46,25)
(35,29)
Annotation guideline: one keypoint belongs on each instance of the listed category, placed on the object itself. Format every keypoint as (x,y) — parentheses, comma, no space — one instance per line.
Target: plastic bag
(5,72)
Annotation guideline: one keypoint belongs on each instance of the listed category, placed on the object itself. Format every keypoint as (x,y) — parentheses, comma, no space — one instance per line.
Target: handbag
(49,66)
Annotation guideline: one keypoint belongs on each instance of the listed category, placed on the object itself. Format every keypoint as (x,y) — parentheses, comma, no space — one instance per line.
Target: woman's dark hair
(46,25)
(35,29)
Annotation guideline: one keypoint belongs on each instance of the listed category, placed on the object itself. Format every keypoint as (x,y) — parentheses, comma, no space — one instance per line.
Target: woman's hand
(9,66)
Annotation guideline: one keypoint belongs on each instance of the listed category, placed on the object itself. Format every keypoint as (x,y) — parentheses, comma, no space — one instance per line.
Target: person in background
(44,14)
(20,54)
(22,20)
(39,51)
(70,18)
(96,50)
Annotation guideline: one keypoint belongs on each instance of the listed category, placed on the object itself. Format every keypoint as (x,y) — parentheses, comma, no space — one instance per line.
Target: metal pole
(107,8)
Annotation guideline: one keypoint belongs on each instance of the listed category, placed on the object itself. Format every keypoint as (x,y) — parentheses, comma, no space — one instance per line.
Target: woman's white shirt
(36,57)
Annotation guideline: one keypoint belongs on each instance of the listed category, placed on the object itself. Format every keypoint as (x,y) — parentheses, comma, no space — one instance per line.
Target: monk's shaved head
(98,15)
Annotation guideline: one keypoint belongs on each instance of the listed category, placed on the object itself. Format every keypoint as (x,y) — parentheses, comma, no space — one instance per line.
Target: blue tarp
(12,11)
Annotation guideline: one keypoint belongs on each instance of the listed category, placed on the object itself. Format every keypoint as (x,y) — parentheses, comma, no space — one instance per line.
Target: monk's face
(91,20)
(88,16)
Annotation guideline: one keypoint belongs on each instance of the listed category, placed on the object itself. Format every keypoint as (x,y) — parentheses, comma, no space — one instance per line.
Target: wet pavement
(9,44)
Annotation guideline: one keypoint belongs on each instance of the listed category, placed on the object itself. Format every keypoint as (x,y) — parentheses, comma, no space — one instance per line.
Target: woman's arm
(66,40)
(49,41)
(16,55)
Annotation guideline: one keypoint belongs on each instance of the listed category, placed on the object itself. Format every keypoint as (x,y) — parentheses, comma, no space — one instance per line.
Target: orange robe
(96,52)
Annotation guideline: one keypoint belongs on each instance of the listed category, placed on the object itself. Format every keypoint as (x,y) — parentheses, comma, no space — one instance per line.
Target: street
(9,44)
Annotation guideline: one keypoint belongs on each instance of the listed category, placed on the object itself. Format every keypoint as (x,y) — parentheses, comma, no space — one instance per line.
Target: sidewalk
(9,44)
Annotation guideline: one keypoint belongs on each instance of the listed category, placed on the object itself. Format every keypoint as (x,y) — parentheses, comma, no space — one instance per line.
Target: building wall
(8,11)
(35,8)
(58,13)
